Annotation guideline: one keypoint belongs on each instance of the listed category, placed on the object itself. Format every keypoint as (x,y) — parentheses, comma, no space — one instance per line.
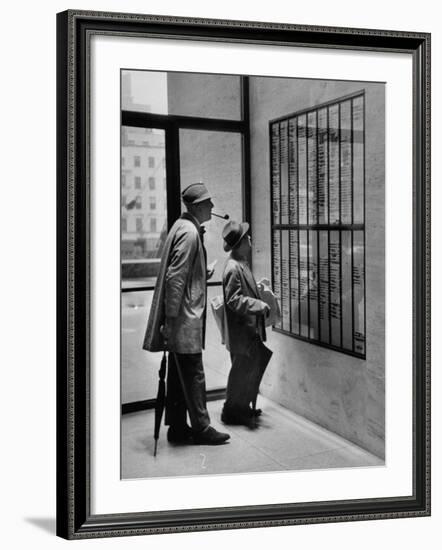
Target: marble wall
(340,392)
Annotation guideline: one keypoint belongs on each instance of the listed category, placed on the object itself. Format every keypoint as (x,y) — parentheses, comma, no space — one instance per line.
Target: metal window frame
(172,124)
(352,227)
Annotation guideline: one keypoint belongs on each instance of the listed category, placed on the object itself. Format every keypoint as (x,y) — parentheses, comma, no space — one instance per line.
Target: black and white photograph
(243,274)
(252,274)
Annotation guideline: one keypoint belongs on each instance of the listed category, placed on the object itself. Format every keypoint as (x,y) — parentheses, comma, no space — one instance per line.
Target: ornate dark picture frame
(74,517)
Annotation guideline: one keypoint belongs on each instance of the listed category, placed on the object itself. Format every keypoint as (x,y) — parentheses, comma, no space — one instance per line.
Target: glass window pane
(302,170)
(333,151)
(313,284)
(312,164)
(303,282)
(185,94)
(204,95)
(215,159)
(324,267)
(144,91)
(335,288)
(294,280)
(346,162)
(276,175)
(143,205)
(359,291)
(358,160)
(347,291)
(285,278)
(277,287)
(293,172)
(139,368)
(284,160)
(323,166)
(215,355)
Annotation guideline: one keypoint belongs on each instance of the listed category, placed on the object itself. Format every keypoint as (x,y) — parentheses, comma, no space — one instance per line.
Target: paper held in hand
(211,266)
(266,295)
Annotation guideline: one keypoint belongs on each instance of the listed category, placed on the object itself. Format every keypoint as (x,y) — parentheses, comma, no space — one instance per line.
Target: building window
(137,182)
(151,162)
(318,225)
(137,160)
(139,224)
(152,203)
(138,202)
(151,183)
(124,225)
(153,225)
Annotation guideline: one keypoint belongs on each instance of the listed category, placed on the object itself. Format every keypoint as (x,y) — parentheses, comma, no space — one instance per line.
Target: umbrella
(258,372)
(160,400)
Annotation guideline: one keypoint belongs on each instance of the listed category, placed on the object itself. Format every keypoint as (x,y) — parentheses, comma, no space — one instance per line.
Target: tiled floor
(282,441)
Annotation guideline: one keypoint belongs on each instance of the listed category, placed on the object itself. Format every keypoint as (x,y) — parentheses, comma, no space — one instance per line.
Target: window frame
(317,227)
(172,124)
(139,224)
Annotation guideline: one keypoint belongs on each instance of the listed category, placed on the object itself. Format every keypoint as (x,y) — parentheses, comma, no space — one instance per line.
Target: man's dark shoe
(238,418)
(210,436)
(181,436)
(256,412)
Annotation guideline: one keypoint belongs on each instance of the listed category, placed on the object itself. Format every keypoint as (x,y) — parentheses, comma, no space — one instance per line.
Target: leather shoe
(238,418)
(180,435)
(210,436)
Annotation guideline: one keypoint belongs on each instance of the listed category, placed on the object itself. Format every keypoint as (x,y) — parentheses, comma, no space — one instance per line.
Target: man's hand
(210,269)
(264,281)
(165,330)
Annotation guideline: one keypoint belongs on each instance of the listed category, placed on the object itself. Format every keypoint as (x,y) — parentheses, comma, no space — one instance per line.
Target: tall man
(177,321)
(245,316)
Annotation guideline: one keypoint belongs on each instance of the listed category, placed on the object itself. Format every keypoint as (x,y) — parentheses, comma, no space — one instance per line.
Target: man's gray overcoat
(180,294)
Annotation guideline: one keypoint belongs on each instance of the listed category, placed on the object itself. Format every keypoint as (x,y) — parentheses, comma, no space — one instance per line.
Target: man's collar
(188,216)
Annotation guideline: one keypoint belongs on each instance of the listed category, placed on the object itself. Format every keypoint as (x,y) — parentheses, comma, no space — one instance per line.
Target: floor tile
(338,458)
(282,441)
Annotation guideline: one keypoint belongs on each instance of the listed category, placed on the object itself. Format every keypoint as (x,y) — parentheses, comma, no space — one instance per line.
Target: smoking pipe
(225,217)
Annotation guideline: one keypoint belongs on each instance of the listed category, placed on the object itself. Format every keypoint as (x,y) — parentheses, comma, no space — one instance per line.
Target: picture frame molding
(74,31)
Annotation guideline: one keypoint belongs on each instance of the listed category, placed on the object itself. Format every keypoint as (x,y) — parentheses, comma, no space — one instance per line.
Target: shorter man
(245,315)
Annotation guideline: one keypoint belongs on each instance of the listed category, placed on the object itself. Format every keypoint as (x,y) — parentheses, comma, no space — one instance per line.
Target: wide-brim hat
(232,234)
(195,193)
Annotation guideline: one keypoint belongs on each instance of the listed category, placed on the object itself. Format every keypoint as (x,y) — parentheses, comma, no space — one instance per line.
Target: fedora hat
(194,193)
(232,234)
